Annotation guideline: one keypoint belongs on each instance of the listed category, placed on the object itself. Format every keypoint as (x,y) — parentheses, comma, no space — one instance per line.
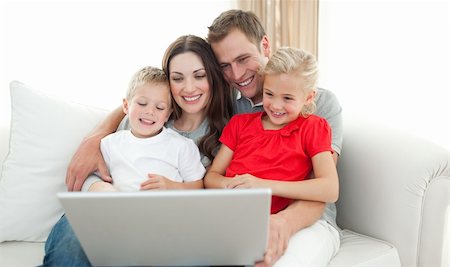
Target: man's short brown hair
(245,21)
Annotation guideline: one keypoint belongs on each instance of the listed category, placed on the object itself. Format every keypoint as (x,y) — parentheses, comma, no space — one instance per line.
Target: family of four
(221,113)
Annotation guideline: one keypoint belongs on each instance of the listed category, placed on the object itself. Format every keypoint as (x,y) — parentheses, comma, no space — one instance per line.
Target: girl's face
(283,99)
(148,109)
(189,83)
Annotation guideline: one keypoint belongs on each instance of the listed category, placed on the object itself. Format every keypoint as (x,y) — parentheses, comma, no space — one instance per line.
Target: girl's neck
(189,122)
(269,125)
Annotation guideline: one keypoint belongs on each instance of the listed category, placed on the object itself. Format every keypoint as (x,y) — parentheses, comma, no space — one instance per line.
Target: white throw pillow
(45,133)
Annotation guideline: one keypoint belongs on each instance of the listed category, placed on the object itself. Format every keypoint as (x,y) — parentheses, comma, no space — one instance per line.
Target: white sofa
(393,205)
(379,170)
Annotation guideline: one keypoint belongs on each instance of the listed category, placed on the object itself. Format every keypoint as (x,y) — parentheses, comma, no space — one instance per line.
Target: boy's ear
(125,106)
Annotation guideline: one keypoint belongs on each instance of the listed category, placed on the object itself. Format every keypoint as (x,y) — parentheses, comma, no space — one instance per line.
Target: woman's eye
(198,77)
(160,108)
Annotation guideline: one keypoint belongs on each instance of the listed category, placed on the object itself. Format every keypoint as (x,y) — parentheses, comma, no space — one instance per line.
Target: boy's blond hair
(299,63)
(144,76)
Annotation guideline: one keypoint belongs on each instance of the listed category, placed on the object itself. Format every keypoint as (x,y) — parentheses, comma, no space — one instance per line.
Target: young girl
(280,147)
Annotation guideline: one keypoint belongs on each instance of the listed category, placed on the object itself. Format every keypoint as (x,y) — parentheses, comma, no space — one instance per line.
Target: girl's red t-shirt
(283,154)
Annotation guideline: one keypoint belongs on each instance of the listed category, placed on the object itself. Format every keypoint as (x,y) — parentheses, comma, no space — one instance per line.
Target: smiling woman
(86,51)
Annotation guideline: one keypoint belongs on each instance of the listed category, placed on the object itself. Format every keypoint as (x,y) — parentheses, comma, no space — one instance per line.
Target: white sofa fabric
(394,193)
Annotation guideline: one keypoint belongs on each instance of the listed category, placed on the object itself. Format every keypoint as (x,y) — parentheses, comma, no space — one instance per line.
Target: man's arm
(297,216)
(300,214)
(88,157)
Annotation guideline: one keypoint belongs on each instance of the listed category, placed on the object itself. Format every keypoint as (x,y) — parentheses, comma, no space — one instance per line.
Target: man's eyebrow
(234,59)
(241,56)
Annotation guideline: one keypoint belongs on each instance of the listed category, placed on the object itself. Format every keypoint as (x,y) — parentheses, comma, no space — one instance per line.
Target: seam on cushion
(432,180)
(370,237)
(378,240)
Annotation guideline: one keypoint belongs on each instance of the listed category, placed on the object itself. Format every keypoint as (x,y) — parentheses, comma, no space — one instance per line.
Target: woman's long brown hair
(220,107)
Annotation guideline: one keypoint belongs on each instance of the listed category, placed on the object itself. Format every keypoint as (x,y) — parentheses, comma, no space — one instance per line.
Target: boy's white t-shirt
(129,159)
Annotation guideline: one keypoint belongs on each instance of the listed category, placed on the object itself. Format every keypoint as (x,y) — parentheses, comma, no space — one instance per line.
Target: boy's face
(241,63)
(148,109)
(284,98)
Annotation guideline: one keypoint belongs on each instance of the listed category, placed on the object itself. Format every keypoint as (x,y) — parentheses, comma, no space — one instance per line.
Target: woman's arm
(215,176)
(88,157)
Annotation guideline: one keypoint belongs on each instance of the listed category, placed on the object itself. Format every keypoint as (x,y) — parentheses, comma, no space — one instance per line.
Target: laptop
(170,228)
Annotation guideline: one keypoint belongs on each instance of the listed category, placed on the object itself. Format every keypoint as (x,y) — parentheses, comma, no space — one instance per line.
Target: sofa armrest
(4,142)
(395,186)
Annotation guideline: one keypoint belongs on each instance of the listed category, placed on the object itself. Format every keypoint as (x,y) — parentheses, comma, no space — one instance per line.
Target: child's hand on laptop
(247,181)
(157,182)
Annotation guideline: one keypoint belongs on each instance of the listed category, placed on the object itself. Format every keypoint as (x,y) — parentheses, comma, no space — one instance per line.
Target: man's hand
(87,159)
(279,235)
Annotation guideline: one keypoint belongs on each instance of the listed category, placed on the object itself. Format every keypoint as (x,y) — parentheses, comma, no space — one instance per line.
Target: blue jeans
(63,248)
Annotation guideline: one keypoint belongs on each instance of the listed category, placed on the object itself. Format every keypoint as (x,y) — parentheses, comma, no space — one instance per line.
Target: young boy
(149,156)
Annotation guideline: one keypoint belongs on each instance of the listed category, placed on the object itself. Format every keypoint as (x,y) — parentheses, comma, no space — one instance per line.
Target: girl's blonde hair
(299,63)
(146,75)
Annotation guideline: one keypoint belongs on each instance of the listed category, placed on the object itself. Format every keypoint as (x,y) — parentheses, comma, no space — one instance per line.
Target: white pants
(311,247)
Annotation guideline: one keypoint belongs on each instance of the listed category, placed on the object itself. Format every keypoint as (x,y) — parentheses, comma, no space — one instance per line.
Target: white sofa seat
(21,254)
(392,205)
(363,251)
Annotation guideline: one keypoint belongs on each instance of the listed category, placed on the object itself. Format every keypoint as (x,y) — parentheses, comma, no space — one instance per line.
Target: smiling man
(302,234)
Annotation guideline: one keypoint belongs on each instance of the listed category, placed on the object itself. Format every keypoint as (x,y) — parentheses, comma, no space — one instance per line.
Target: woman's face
(189,83)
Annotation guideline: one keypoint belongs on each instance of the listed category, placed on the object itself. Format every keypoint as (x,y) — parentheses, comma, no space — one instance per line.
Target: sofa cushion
(358,250)
(21,253)
(45,132)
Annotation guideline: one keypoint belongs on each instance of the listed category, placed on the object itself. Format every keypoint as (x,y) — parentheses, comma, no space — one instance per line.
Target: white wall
(388,61)
(385,60)
(87,51)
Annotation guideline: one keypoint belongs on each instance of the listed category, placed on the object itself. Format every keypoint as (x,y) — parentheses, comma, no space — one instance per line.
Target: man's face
(241,62)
